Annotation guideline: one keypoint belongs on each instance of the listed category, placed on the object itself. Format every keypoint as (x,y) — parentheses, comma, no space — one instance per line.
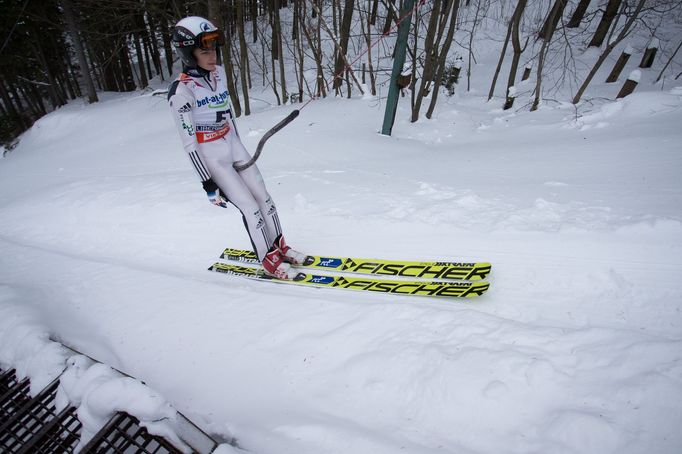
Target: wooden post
(451,77)
(526,72)
(404,81)
(511,96)
(649,54)
(630,84)
(398,62)
(456,70)
(620,64)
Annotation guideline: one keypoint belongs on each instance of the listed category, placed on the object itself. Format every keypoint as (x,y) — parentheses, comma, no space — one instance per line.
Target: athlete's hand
(217,199)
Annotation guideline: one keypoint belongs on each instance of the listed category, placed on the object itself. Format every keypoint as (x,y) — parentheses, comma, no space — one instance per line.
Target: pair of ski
(440,279)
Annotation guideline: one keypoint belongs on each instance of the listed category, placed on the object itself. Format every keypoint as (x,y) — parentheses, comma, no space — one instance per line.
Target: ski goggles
(211,40)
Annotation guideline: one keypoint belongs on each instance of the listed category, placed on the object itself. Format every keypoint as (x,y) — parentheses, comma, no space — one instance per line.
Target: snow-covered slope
(105,234)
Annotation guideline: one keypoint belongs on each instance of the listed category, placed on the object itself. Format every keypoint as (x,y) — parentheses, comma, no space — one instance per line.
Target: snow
(98,392)
(577,348)
(25,343)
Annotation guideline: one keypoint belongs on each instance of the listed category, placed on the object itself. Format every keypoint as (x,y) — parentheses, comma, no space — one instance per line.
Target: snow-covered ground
(106,234)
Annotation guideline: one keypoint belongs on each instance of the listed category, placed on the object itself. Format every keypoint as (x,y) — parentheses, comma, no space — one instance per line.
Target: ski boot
(289,255)
(275,266)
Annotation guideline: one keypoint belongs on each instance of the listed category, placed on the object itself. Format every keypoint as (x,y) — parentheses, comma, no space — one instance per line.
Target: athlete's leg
(254,181)
(233,187)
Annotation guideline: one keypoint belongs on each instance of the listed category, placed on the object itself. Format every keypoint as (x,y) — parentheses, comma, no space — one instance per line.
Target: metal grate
(13,395)
(61,434)
(30,425)
(123,434)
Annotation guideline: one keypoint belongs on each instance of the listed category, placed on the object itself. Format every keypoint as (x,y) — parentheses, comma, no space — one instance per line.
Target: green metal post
(400,50)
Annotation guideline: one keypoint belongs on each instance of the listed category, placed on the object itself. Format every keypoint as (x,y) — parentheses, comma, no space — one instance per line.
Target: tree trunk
(273,52)
(618,67)
(254,19)
(669,61)
(167,47)
(126,68)
(140,61)
(277,43)
(390,18)
(629,85)
(296,18)
(373,14)
(491,92)
(39,100)
(431,55)
(623,33)
(78,47)
(552,20)
(649,54)
(471,43)
(150,41)
(9,105)
(343,44)
(339,75)
(299,51)
(578,14)
(368,41)
(56,100)
(320,84)
(549,33)
(605,23)
(538,83)
(243,57)
(443,56)
(32,110)
(226,51)
(518,50)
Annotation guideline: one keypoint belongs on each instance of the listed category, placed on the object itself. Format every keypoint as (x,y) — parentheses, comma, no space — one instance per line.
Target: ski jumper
(201,107)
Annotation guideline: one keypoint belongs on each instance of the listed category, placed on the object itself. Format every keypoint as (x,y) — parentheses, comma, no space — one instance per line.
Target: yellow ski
(371,284)
(423,270)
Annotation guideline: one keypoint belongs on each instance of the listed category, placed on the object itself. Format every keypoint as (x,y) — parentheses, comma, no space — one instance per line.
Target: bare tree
(366,26)
(338,46)
(491,92)
(226,53)
(552,20)
(316,49)
(277,53)
(342,48)
(547,35)
(625,31)
(243,57)
(512,28)
(669,61)
(80,53)
(430,54)
(605,23)
(453,7)
(471,42)
(578,14)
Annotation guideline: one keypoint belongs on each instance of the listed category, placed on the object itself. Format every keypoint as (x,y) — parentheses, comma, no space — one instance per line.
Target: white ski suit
(201,107)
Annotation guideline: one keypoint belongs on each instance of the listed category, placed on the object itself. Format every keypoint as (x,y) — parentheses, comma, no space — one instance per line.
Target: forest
(54,51)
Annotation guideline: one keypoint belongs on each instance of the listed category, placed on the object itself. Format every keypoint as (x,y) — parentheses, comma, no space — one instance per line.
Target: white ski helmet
(195,32)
